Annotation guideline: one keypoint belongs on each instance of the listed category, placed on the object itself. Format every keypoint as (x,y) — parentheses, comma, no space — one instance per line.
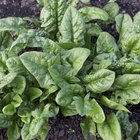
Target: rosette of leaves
(57,67)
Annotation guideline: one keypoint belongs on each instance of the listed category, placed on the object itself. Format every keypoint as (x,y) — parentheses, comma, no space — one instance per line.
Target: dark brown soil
(66,128)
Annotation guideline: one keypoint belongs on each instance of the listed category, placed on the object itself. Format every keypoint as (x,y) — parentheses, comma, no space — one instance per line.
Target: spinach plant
(57,67)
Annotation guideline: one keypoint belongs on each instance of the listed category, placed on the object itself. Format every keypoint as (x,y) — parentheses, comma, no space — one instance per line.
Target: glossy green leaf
(7,79)
(94,30)
(127,88)
(90,13)
(16,24)
(72,27)
(9,109)
(112,8)
(136,22)
(85,1)
(110,128)
(34,60)
(66,94)
(5,40)
(88,127)
(34,93)
(100,81)
(13,132)
(52,14)
(77,58)
(129,129)
(5,121)
(113,105)
(25,134)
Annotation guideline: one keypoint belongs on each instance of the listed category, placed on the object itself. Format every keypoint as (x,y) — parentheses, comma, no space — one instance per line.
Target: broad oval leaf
(127,88)
(72,27)
(99,81)
(34,60)
(16,24)
(77,58)
(90,13)
(66,94)
(106,44)
(110,128)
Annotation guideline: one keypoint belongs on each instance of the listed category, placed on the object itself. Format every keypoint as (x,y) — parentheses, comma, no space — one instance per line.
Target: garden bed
(67,128)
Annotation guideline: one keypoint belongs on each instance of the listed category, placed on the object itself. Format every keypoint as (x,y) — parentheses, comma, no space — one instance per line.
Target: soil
(67,128)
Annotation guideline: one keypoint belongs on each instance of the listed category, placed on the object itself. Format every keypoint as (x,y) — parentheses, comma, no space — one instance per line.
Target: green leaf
(89,108)
(77,58)
(127,87)
(34,60)
(18,84)
(136,22)
(9,109)
(34,93)
(99,81)
(112,8)
(94,30)
(7,79)
(85,1)
(110,128)
(96,112)
(52,14)
(128,129)
(72,27)
(16,24)
(30,38)
(66,94)
(113,105)
(69,110)
(5,121)
(73,2)
(25,134)
(13,132)
(88,127)
(5,40)
(90,13)
(106,44)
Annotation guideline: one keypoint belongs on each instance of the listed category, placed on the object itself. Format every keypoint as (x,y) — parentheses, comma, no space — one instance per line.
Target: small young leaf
(9,109)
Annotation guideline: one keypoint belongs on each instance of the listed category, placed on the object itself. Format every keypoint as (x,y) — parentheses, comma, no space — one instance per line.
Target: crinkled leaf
(52,14)
(110,128)
(94,30)
(113,105)
(29,38)
(112,8)
(5,40)
(16,24)
(25,134)
(5,121)
(7,79)
(99,81)
(77,58)
(72,27)
(127,88)
(106,44)
(66,94)
(137,22)
(90,13)
(34,60)
(13,132)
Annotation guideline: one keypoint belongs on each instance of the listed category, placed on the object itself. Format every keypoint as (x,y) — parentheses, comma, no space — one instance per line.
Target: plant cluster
(64,62)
